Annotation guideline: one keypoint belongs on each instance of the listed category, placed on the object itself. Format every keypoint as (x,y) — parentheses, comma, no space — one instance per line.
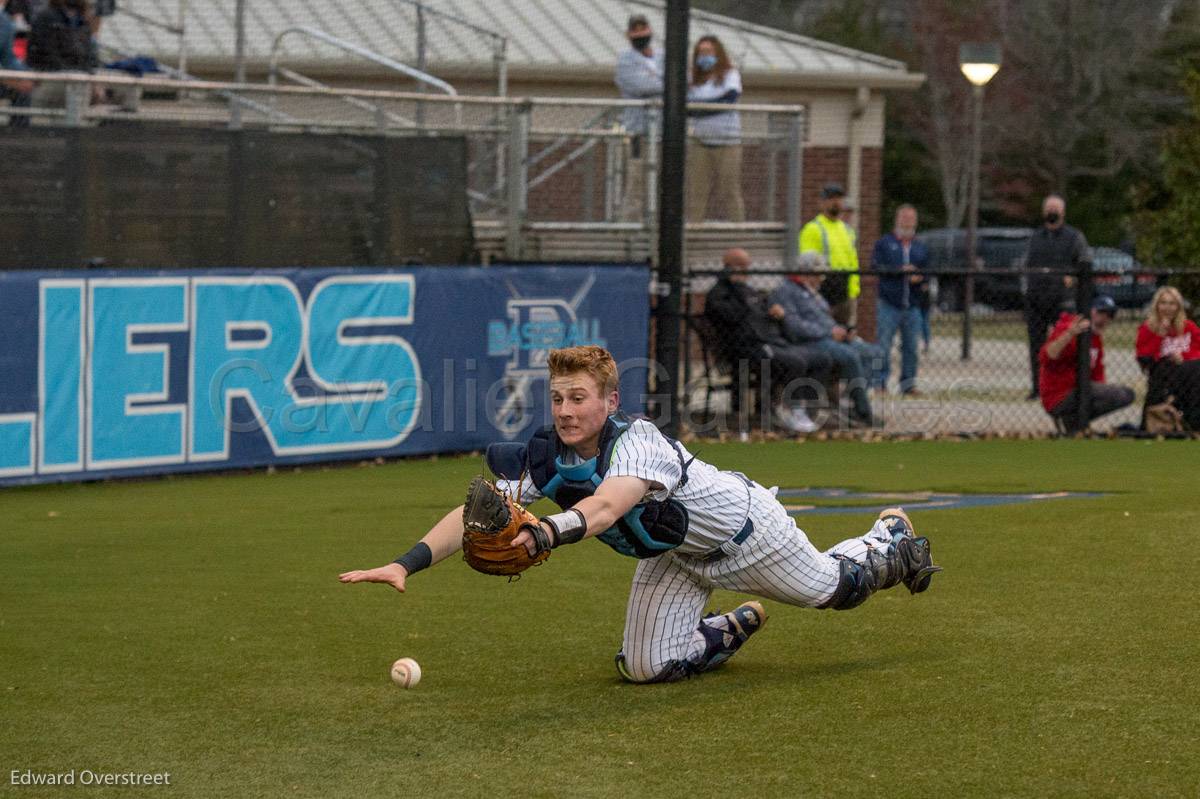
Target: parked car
(999,247)
(1004,248)
(1127,287)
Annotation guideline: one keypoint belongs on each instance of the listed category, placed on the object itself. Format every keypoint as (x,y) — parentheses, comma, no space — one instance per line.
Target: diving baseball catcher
(692,527)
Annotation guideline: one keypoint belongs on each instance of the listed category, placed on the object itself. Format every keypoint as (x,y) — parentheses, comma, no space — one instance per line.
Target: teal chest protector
(648,529)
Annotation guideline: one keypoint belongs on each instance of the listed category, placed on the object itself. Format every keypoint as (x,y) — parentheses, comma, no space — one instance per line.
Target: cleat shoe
(912,554)
(748,618)
(726,632)
(889,515)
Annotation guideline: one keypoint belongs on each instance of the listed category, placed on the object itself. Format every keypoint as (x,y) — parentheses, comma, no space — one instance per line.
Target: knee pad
(856,582)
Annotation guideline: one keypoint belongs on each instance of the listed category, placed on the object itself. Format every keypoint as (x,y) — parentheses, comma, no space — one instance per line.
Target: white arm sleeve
(646,453)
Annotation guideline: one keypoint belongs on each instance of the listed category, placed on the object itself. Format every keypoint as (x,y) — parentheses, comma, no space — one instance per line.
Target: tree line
(1093,101)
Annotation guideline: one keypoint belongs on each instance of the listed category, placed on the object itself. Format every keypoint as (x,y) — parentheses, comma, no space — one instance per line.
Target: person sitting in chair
(807,320)
(748,330)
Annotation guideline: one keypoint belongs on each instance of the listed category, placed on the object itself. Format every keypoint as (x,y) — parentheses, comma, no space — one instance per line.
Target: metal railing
(548,177)
(275,71)
(424,14)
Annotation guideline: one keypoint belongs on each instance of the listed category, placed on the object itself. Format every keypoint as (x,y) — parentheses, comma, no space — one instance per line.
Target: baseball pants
(777,561)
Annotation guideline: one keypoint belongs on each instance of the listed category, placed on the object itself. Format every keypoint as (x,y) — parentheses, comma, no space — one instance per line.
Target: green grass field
(195,626)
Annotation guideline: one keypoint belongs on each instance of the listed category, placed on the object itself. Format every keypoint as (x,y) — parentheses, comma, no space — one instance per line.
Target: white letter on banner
(60,375)
(131,423)
(373,373)
(378,373)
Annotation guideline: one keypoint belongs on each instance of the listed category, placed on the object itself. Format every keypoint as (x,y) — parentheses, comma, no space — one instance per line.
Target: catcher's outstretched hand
(393,574)
(525,539)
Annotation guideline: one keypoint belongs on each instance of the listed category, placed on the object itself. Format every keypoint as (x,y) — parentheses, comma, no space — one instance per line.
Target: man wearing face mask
(1055,246)
(639,76)
(830,237)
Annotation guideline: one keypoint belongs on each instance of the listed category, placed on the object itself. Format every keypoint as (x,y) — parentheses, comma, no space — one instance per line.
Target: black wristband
(569,527)
(417,558)
(541,539)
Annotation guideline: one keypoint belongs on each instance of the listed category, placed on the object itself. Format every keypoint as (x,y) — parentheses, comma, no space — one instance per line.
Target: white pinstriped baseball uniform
(670,591)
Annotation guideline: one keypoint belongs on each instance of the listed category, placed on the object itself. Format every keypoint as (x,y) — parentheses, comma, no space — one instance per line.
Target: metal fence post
(791,238)
(1084,292)
(614,171)
(517,175)
(421,63)
(650,157)
(239,63)
(77,95)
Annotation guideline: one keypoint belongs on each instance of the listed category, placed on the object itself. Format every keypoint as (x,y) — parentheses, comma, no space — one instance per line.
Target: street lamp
(979,63)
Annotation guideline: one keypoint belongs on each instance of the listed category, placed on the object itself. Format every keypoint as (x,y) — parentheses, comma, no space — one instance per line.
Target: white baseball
(406,673)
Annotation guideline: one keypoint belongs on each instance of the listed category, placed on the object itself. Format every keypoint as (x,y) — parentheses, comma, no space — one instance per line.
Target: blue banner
(106,374)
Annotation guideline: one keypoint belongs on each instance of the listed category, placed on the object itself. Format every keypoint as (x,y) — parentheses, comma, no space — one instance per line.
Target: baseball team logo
(533,327)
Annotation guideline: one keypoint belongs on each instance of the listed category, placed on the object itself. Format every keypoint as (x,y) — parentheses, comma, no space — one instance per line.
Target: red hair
(595,361)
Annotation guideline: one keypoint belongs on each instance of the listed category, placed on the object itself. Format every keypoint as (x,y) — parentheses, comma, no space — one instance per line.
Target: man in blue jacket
(899,259)
(807,319)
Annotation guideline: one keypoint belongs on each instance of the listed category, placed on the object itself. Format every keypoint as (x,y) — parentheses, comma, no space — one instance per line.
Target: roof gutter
(566,74)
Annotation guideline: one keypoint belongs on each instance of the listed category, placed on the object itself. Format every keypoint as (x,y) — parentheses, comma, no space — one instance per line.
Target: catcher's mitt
(491,520)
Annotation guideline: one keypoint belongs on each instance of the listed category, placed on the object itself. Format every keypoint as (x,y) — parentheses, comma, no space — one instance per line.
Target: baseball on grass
(406,673)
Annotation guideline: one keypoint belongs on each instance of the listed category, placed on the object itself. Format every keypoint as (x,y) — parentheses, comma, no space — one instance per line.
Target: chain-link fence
(762,354)
(571,179)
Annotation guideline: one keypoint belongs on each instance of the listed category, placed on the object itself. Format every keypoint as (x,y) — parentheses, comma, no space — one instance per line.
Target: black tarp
(140,195)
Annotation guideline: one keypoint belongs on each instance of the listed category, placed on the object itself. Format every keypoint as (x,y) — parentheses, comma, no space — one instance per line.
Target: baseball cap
(637,21)
(1104,304)
(832,190)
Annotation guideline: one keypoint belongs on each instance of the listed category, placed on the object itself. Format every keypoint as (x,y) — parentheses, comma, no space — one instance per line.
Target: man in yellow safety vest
(836,241)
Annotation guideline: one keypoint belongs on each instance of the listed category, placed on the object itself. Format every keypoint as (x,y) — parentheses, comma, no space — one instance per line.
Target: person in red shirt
(1168,350)
(1057,367)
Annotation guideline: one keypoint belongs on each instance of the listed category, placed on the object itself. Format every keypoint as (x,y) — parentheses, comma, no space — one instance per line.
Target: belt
(719,553)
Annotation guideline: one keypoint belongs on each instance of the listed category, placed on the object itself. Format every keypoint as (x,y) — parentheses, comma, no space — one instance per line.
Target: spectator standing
(715,156)
(639,76)
(1168,350)
(62,39)
(900,260)
(748,330)
(807,319)
(1057,359)
(17,91)
(1055,245)
(830,237)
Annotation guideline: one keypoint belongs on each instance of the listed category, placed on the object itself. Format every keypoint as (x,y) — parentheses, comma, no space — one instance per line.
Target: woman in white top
(715,154)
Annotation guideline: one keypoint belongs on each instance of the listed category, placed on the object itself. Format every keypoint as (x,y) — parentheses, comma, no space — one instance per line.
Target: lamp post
(979,63)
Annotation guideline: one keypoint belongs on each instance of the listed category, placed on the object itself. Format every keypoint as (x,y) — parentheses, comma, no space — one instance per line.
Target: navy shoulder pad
(506,459)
